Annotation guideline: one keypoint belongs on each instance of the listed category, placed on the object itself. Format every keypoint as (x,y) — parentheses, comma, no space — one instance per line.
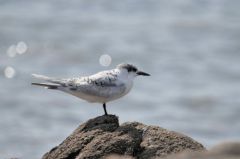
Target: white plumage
(101,87)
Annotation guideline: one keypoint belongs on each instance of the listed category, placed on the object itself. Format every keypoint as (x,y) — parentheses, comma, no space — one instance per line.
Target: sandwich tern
(101,87)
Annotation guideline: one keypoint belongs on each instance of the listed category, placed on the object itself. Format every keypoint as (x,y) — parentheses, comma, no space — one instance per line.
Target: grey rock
(227,148)
(102,136)
(230,150)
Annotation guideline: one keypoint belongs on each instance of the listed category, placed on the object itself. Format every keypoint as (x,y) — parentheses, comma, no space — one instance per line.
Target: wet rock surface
(103,136)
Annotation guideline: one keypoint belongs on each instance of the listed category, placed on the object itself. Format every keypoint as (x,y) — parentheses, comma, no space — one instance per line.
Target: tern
(102,87)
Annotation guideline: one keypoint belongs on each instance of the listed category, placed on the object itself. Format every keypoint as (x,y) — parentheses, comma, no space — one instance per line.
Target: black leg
(105,110)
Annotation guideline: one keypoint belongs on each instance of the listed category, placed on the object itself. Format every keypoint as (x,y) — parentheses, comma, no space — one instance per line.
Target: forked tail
(47,85)
(52,83)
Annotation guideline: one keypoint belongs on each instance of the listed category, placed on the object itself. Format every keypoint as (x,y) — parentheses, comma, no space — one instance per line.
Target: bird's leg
(105,110)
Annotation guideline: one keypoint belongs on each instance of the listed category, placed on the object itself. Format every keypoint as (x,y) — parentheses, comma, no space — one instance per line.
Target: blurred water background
(190,47)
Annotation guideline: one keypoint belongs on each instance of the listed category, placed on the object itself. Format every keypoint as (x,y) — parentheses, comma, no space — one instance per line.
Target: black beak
(142,73)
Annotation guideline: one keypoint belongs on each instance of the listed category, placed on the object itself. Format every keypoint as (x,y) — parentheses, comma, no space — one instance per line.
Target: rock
(230,150)
(102,136)
(227,148)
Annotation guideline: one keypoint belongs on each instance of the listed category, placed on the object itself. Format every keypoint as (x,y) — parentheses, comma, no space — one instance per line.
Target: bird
(102,87)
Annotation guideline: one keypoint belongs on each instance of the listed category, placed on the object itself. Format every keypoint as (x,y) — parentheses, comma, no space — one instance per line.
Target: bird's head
(131,70)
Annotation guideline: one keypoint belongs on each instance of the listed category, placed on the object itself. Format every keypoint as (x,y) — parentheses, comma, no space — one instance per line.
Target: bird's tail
(53,83)
(47,85)
(42,77)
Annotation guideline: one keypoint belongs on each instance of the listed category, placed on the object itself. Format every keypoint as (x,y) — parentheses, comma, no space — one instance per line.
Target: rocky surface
(102,136)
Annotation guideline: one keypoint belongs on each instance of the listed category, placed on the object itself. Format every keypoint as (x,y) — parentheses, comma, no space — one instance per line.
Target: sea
(190,48)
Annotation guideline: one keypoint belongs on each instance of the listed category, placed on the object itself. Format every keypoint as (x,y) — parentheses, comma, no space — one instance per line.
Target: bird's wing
(101,84)
(105,79)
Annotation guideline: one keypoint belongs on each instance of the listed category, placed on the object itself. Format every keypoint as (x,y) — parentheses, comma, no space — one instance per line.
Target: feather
(47,85)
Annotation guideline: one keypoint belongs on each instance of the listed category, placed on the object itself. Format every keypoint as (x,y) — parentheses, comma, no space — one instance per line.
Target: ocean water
(191,49)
